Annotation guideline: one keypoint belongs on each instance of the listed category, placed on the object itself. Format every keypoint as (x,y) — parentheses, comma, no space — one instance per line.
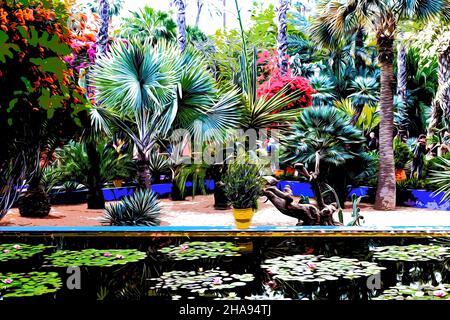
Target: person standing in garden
(420,151)
(373,142)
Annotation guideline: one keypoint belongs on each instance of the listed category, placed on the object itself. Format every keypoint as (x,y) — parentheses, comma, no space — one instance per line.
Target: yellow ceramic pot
(243,217)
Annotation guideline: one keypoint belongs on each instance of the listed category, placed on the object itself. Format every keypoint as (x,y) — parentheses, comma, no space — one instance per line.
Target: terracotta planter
(243,217)
(118,183)
(400,175)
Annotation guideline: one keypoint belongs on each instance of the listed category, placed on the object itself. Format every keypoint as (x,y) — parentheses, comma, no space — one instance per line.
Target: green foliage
(414,183)
(325,88)
(139,209)
(94,257)
(158,163)
(402,154)
(356,212)
(440,180)
(243,183)
(148,24)
(19,251)
(325,131)
(369,118)
(74,164)
(18,285)
(197,173)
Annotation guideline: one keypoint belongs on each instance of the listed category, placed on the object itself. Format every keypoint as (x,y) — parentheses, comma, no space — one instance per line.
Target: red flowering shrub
(39,100)
(271,80)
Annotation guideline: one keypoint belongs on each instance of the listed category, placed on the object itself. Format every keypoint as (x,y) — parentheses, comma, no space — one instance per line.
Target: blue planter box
(114,194)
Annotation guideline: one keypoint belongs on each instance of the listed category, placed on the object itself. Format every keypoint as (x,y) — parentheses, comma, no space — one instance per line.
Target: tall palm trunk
(102,36)
(386,189)
(199,11)
(441,103)
(401,72)
(359,45)
(224,14)
(143,171)
(282,39)
(181,24)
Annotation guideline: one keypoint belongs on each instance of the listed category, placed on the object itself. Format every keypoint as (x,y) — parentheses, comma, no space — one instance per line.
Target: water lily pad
(426,292)
(309,268)
(16,285)
(413,253)
(94,257)
(201,250)
(18,251)
(202,281)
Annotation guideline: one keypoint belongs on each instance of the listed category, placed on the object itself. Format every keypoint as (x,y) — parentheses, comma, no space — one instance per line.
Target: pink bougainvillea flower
(107,254)
(311,265)
(7,281)
(17,247)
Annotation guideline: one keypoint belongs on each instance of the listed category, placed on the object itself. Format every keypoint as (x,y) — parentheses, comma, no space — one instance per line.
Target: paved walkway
(200,212)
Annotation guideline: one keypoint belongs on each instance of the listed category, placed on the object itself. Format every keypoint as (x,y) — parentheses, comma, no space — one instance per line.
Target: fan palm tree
(282,38)
(324,140)
(324,87)
(155,90)
(365,92)
(149,25)
(338,18)
(181,23)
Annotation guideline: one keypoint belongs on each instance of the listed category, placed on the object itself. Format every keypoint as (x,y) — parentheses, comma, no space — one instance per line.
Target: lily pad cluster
(94,257)
(413,253)
(310,268)
(198,249)
(18,251)
(16,285)
(425,292)
(201,281)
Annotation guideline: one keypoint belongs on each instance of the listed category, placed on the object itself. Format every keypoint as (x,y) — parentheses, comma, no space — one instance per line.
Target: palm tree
(181,23)
(365,93)
(338,18)
(149,25)
(324,140)
(155,90)
(282,38)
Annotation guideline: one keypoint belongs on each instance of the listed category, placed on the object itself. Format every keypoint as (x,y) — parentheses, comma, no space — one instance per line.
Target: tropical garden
(306,116)
(342,96)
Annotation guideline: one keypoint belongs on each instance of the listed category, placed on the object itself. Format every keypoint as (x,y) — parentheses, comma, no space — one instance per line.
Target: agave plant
(139,209)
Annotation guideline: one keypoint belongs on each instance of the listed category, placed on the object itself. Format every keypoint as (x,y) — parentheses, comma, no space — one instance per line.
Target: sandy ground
(200,212)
